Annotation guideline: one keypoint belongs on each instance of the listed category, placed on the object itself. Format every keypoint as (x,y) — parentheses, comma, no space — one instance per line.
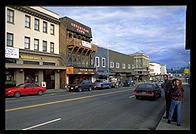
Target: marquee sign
(72,70)
(78,27)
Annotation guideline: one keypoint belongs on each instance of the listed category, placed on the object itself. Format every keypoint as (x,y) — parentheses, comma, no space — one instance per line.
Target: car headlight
(9,91)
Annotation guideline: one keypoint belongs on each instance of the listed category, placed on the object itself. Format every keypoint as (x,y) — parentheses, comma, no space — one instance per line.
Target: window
(27,21)
(44,47)
(30,62)
(10,16)
(51,47)
(123,66)
(96,61)
(111,64)
(36,24)
(49,63)
(103,62)
(36,44)
(129,66)
(27,42)
(52,29)
(117,65)
(9,39)
(45,27)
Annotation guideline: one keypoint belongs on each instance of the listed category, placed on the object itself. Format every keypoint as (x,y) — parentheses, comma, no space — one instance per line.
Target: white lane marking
(42,124)
(131,96)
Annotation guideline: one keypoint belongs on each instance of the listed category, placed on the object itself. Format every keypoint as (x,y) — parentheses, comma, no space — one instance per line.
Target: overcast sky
(158,31)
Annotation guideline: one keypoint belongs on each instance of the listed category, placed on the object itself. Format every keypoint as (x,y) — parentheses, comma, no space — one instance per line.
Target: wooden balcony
(74,42)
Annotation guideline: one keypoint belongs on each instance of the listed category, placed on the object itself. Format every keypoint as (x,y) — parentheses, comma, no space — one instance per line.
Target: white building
(155,69)
(163,69)
(32,45)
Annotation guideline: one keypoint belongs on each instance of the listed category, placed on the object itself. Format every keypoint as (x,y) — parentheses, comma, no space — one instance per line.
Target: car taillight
(136,92)
(151,92)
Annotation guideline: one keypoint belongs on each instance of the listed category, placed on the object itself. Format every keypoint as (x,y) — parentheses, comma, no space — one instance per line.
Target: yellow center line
(65,100)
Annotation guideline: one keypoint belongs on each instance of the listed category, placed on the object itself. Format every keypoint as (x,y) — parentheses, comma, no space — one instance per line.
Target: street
(107,109)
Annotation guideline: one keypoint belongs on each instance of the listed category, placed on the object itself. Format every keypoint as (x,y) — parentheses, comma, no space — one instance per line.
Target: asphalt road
(108,109)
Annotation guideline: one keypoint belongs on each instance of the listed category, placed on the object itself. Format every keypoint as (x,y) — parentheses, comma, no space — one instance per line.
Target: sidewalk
(50,91)
(185,115)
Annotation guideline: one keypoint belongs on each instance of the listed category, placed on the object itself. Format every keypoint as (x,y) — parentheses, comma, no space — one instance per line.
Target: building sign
(11,52)
(78,27)
(72,70)
(86,44)
(30,57)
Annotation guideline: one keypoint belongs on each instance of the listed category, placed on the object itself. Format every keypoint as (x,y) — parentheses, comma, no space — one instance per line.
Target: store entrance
(49,78)
(31,75)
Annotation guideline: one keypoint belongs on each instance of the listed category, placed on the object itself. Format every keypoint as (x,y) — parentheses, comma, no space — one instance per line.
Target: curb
(162,114)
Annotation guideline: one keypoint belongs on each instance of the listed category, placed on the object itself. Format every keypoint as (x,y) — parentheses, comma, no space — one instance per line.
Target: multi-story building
(155,69)
(32,45)
(121,65)
(76,50)
(163,69)
(141,66)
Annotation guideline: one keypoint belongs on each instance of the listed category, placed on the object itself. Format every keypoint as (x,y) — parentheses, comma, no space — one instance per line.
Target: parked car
(102,83)
(147,90)
(81,85)
(128,83)
(25,89)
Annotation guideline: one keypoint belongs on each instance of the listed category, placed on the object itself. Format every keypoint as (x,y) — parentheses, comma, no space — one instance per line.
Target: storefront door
(49,78)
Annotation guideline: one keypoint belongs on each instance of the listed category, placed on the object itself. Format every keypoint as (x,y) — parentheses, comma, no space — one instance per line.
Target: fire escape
(79,55)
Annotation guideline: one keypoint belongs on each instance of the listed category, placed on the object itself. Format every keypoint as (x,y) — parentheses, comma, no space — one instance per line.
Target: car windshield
(145,86)
(20,85)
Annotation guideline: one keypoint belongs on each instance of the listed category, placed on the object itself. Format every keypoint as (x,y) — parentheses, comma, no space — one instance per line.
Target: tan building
(32,46)
(76,50)
(141,66)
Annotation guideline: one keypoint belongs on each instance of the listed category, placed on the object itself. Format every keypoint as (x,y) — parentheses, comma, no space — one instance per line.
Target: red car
(25,89)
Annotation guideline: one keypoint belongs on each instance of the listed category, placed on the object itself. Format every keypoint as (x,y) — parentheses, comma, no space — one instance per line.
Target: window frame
(97,61)
(27,16)
(8,16)
(117,63)
(45,27)
(129,66)
(37,44)
(111,62)
(43,46)
(26,43)
(103,62)
(12,41)
(36,20)
(52,25)
(51,47)
(123,66)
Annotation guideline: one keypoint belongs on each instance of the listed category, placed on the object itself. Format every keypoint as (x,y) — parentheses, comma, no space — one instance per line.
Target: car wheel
(17,94)
(40,92)
(80,89)
(90,89)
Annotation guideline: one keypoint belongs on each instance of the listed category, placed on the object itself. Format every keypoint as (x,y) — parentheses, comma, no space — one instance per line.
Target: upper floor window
(44,46)
(51,29)
(27,21)
(36,44)
(9,39)
(123,66)
(129,66)
(103,62)
(111,64)
(36,24)
(10,16)
(44,27)
(51,47)
(27,42)
(117,65)
(97,61)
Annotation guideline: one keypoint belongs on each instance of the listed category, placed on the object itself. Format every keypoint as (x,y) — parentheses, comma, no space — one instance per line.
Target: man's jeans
(175,103)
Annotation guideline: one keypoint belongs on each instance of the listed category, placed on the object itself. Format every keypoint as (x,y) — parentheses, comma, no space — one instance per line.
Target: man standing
(167,85)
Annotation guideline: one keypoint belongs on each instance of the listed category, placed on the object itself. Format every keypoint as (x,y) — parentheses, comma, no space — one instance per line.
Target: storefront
(74,74)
